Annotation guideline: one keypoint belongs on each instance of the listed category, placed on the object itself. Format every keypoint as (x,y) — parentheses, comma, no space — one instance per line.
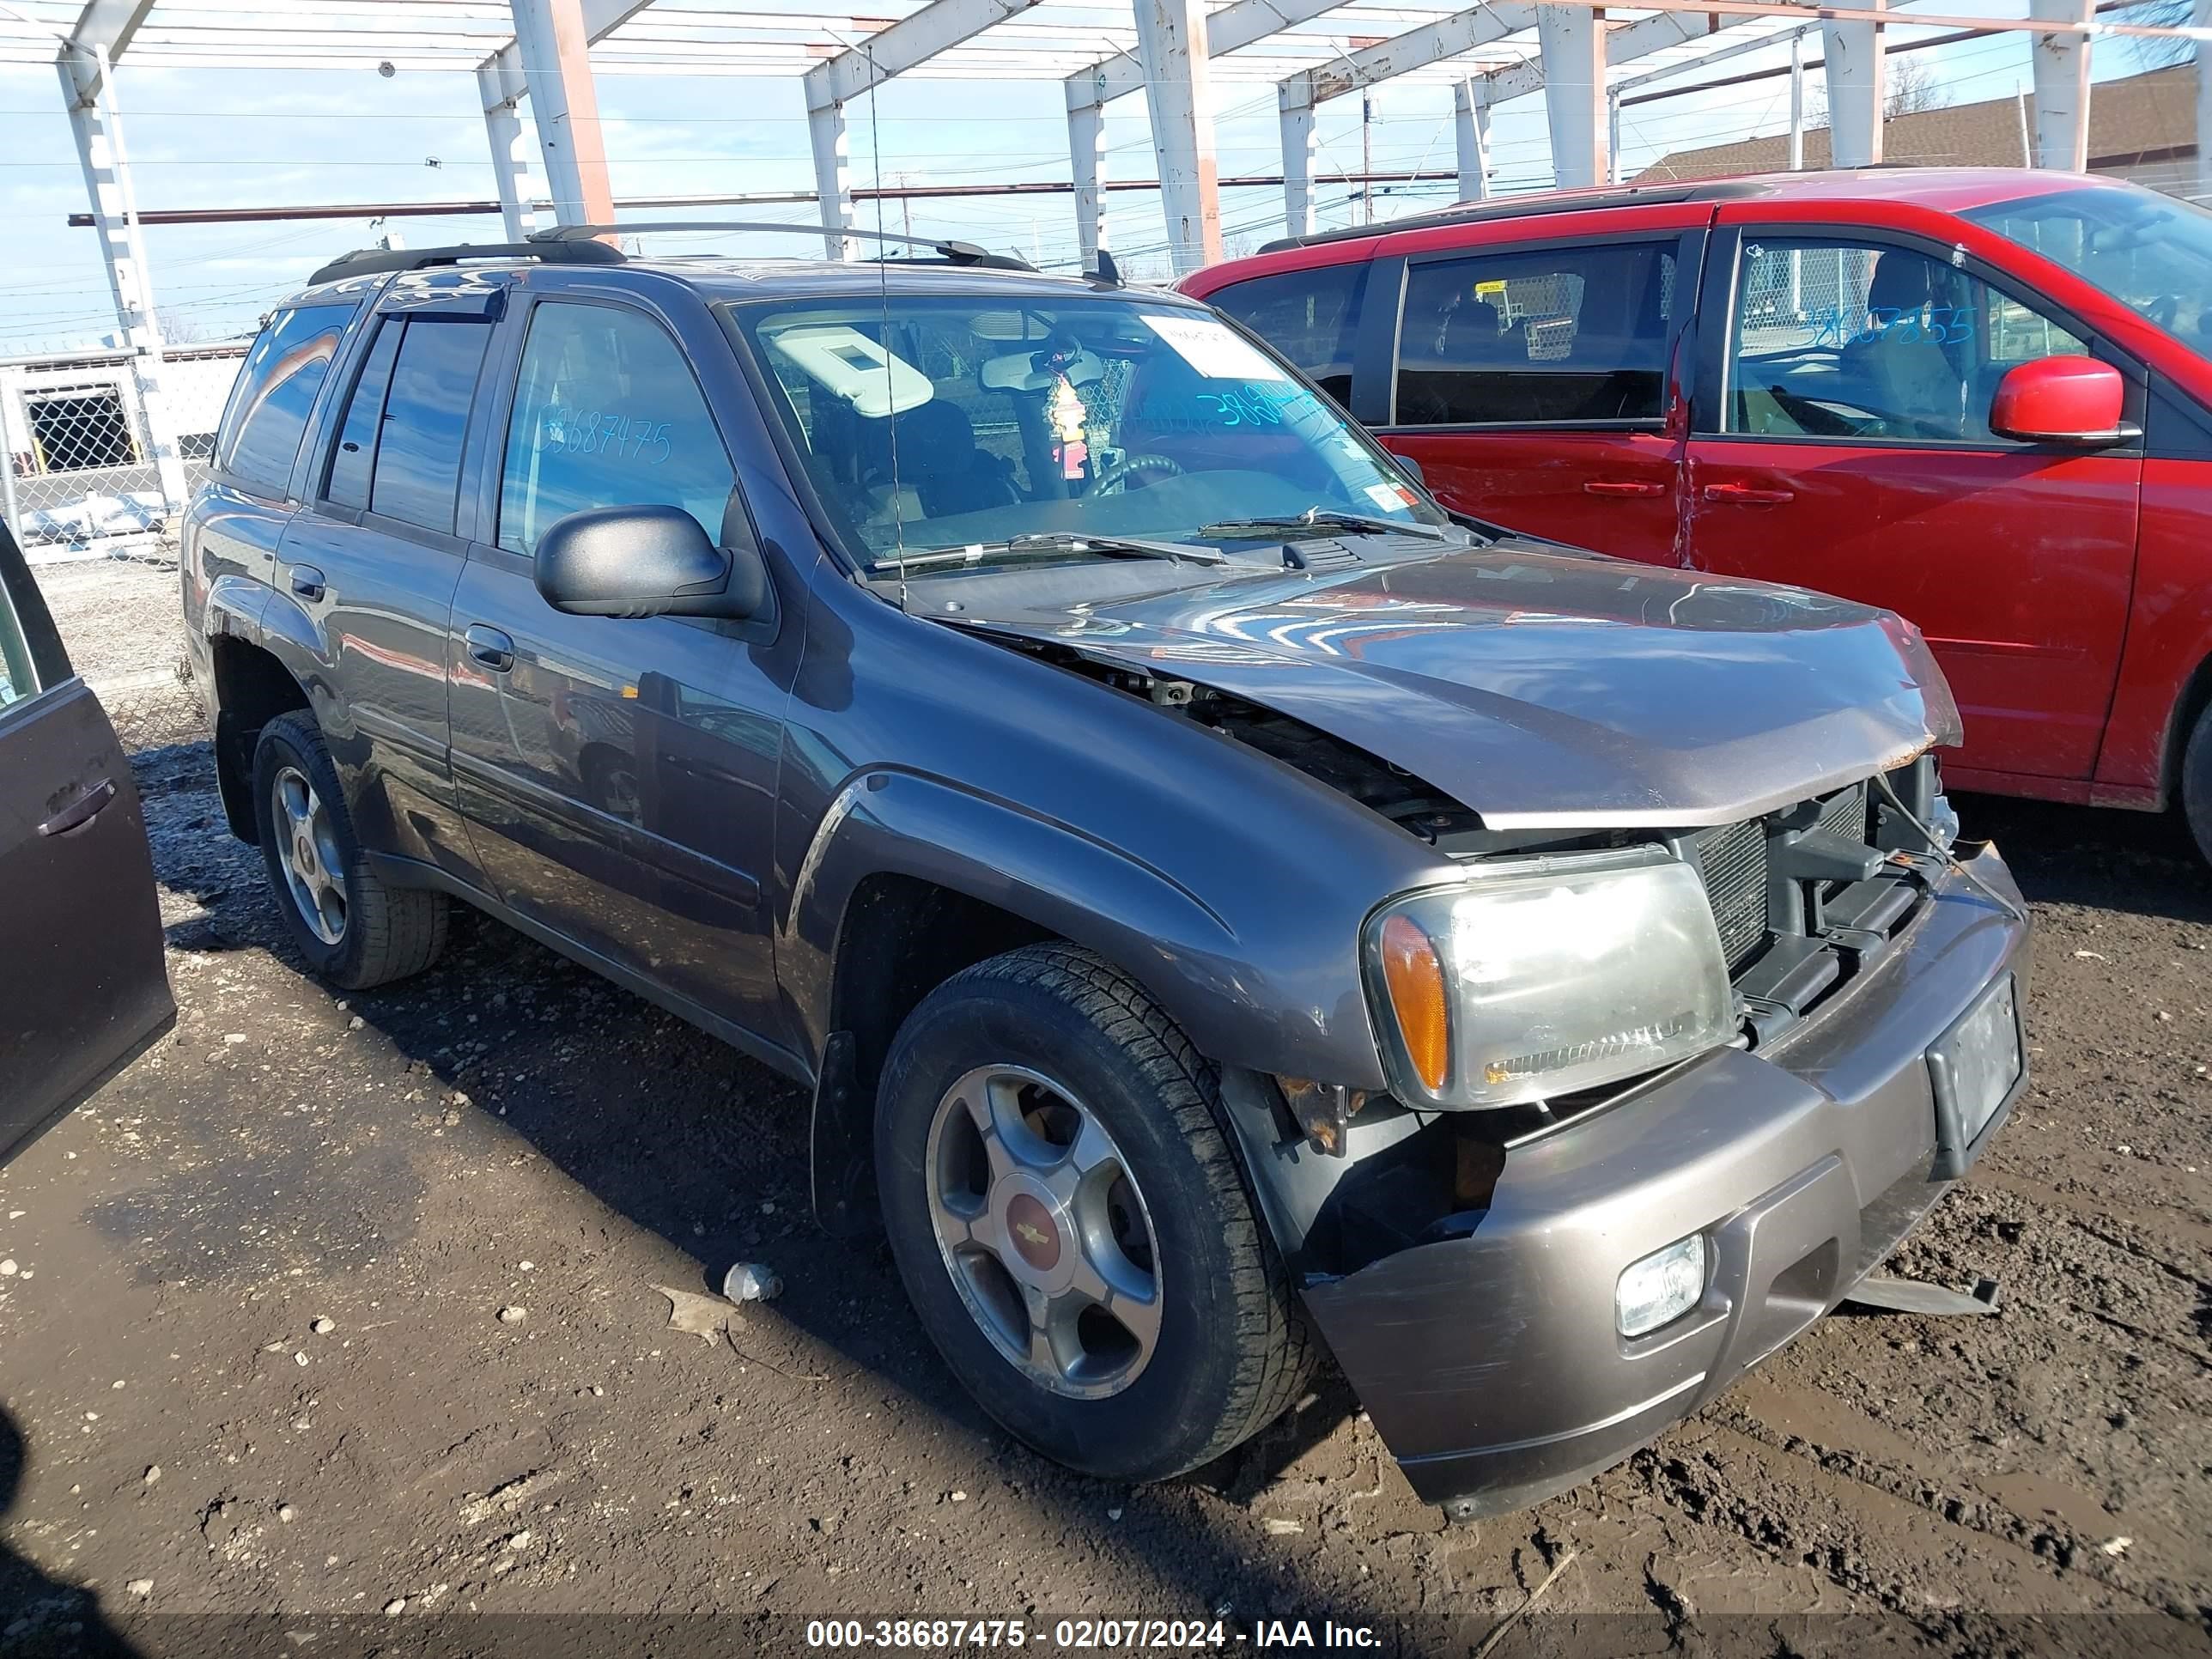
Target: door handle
(489,647)
(307,581)
(1623,487)
(82,810)
(1748,495)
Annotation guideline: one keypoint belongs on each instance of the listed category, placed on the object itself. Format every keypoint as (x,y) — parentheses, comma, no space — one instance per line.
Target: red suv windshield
(2153,253)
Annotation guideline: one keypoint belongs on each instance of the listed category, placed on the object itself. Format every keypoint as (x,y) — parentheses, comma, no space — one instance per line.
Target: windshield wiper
(1051,542)
(1324,519)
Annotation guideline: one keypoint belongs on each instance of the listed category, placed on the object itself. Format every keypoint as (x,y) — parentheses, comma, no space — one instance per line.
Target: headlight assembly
(1536,979)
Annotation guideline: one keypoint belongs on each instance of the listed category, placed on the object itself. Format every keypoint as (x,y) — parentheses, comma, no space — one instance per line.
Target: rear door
(1842,442)
(82,989)
(1533,381)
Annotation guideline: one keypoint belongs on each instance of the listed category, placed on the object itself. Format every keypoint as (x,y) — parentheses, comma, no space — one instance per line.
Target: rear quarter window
(1311,317)
(267,415)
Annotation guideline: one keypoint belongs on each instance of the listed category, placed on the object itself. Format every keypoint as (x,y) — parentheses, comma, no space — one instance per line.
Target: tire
(368,933)
(2196,783)
(1230,1348)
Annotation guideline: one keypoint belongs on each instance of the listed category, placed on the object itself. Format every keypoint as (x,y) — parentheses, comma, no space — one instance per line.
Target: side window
(1837,339)
(1311,317)
(364,420)
(607,413)
(267,415)
(1524,337)
(18,679)
(418,471)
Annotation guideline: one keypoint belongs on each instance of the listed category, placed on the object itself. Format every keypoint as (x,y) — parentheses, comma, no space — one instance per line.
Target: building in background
(2142,127)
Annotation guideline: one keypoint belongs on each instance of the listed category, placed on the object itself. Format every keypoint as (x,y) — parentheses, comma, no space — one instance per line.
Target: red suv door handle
(1623,487)
(1748,495)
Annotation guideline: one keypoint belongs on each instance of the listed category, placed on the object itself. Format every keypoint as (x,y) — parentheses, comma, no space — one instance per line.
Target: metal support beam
(833,178)
(1572,40)
(1297,125)
(510,160)
(1086,154)
(103,29)
(1613,137)
(98,128)
(2202,17)
(1471,130)
(1178,91)
(1245,23)
(1851,57)
(2061,87)
(1432,43)
(1622,45)
(1797,101)
(501,77)
(564,106)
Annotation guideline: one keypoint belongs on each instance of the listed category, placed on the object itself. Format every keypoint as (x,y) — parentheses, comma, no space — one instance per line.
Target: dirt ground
(332,1321)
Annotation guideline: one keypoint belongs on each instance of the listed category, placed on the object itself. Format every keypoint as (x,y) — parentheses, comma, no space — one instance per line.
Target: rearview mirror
(646,562)
(2061,400)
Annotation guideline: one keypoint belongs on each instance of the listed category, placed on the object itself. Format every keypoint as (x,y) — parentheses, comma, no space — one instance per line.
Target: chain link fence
(77,465)
(121,620)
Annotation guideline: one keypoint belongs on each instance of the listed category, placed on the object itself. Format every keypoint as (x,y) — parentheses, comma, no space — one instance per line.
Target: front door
(1842,442)
(1533,383)
(619,774)
(82,989)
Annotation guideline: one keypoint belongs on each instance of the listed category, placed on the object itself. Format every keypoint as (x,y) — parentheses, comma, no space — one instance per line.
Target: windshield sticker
(1389,497)
(1212,347)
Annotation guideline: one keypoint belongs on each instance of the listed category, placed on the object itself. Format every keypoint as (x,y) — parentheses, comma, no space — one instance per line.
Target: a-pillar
(1572,42)
(96,122)
(564,106)
(1171,46)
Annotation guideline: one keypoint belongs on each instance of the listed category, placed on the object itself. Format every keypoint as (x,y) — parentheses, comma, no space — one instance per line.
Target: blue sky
(211,137)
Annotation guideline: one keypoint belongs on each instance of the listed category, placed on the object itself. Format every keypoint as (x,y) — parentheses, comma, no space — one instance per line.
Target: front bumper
(1489,1362)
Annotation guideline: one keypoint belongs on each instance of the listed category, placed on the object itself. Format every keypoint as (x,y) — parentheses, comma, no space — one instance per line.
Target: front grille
(1732,860)
(1845,813)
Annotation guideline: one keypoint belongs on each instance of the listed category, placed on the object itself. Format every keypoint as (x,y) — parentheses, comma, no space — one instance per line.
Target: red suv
(1980,397)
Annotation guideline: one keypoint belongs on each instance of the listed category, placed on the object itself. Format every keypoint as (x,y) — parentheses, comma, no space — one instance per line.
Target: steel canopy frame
(542,49)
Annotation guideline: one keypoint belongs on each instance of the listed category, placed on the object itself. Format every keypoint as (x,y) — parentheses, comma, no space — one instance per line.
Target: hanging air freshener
(1067,413)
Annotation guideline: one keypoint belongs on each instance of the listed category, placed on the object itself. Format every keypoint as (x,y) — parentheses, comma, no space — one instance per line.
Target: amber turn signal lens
(1416,982)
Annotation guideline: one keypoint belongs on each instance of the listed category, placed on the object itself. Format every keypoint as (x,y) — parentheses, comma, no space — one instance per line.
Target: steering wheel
(1118,474)
(2164,310)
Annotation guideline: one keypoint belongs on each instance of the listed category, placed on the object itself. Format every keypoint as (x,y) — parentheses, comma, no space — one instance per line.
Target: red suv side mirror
(2061,400)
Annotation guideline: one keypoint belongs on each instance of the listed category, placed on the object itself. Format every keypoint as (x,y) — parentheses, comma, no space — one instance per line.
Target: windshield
(2153,253)
(931,423)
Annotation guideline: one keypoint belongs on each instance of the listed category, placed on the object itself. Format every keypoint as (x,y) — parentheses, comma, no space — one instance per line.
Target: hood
(1550,690)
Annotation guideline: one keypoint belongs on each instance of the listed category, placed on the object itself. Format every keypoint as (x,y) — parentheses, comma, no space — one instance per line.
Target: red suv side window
(1576,332)
(1311,317)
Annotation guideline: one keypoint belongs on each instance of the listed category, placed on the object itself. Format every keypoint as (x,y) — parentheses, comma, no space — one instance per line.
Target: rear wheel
(1070,1221)
(354,930)
(2196,782)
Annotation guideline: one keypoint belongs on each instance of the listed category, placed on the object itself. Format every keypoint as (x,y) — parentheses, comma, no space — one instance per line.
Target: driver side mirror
(646,562)
(2063,400)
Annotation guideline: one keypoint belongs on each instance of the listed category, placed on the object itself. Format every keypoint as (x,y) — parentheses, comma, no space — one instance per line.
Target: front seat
(938,459)
(1901,362)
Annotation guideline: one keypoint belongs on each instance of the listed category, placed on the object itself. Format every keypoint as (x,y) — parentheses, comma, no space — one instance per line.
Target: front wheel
(1070,1221)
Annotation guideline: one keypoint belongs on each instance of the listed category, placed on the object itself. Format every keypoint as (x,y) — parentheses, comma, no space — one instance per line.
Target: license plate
(1977,1065)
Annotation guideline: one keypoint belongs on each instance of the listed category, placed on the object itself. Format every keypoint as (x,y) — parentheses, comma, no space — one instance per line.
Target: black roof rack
(366,261)
(1524,207)
(953,253)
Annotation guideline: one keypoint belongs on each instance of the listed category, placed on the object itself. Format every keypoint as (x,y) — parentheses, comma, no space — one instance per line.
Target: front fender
(1240,1002)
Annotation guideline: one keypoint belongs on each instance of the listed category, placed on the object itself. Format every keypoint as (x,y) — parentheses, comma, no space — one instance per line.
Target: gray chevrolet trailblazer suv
(1221,904)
